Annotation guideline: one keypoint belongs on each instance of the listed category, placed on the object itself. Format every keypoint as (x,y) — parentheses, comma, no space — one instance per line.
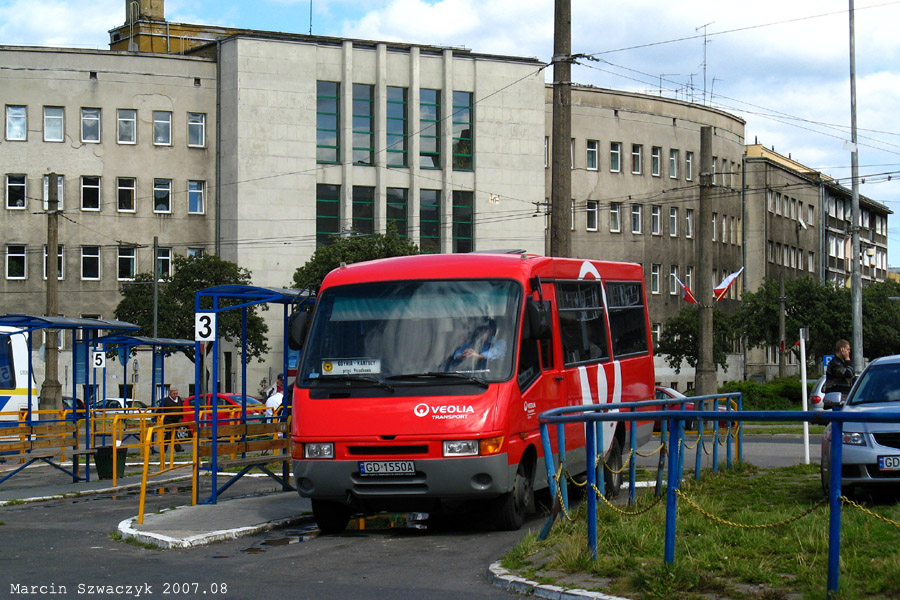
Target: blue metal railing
(599,414)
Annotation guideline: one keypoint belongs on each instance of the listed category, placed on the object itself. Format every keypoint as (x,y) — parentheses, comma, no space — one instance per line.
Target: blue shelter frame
(89,329)
(243,297)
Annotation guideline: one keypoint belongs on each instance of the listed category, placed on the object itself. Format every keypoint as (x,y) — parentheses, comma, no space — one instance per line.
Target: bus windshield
(415,330)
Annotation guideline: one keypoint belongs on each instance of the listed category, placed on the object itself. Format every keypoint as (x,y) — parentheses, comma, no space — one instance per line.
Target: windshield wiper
(354,378)
(442,374)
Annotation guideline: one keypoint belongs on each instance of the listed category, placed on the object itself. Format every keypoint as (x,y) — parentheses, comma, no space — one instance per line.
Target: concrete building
(798,225)
(635,188)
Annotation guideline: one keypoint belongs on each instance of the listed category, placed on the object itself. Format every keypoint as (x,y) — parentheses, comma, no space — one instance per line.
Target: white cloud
(69,23)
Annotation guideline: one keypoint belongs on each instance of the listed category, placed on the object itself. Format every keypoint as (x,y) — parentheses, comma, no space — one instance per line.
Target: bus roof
(480,266)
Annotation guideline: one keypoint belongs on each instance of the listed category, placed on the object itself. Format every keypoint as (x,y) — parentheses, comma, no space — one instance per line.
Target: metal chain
(850,502)
(655,452)
(722,521)
(625,512)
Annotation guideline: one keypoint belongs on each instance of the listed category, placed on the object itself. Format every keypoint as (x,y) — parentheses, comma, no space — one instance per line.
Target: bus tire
(510,508)
(331,517)
(612,471)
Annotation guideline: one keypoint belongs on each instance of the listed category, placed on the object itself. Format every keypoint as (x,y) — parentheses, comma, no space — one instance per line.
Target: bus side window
(529,363)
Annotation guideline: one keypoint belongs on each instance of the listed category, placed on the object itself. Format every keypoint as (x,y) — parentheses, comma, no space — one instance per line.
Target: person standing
(839,375)
(274,401)
(172,405)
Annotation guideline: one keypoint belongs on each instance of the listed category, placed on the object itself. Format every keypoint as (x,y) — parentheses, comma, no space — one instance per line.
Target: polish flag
(686,294)
(721,289)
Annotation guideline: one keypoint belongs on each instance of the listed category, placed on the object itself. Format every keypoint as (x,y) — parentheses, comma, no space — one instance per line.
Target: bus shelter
(84,331)
(209,304)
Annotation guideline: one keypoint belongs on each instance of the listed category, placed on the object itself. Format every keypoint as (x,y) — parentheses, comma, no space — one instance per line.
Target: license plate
(387,467)
(889,463)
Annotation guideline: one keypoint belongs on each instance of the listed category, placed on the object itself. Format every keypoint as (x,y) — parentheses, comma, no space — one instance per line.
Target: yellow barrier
(166,464)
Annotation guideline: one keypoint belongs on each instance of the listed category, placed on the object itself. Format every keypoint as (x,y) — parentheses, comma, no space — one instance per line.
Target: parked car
(667,393)
(229,406)
(119,404)
(871,451)
(817,396)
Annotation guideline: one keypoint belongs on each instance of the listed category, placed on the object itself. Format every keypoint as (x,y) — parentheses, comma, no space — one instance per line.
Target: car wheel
(182,434)
(612,471)
(510,508)
(331,517)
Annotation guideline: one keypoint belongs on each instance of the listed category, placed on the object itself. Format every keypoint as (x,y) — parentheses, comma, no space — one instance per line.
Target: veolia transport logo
(421,410)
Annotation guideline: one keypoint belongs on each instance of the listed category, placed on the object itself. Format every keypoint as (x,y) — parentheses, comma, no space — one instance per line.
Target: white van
(14,377)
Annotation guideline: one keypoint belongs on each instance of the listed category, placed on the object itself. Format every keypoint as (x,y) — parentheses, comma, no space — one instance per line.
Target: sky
(784,67)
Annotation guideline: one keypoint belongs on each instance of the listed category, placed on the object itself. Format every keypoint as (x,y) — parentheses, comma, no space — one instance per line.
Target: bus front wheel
(511,507)
(331,517)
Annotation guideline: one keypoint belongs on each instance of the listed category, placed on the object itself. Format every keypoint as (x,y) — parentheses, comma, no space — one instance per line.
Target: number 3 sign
(204,327)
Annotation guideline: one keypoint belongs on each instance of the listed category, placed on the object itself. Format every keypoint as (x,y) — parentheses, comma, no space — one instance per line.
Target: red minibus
(423,376)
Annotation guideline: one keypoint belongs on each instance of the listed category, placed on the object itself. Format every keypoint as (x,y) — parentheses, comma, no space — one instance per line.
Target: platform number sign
(98,360)
(204,327)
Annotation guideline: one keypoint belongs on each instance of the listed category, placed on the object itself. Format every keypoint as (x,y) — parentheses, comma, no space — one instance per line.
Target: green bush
(779,394)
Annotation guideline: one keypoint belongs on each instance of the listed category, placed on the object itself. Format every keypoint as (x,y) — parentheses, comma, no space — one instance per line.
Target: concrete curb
(165,542)
(504,579)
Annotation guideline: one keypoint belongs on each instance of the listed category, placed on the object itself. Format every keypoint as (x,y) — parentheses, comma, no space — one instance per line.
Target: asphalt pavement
(234,517)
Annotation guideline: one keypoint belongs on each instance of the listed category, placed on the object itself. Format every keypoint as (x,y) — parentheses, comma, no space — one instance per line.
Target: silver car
(871,451)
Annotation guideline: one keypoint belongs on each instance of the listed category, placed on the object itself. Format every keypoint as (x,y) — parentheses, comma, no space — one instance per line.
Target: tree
(679,340)
(823,308)
(881,319)
(176,303)
(351,250)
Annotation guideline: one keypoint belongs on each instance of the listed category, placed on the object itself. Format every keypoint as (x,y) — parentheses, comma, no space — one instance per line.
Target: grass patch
(716,559)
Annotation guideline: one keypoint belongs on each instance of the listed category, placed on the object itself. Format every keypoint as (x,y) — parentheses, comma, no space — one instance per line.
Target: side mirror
(297,329)
(833,400)
(537,320)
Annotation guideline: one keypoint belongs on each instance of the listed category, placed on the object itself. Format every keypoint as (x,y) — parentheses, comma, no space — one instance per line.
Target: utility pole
(706,370)
(561,167)
(855,278)
(51,392)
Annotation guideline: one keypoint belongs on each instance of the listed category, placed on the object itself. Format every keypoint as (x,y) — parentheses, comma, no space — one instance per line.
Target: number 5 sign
(204,327)
(98,360)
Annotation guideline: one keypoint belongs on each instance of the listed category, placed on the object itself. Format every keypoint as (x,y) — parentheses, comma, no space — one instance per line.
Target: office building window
(126,263)
(364,209)
(397,129)
(673,221)
(615,157)
(363,124)
(162,128)
(689,222)
(196,197)
(593,158)
(811,262)
(637,159)
(592,216)
(463,131)
(163,263)
(430,221)
(572,153)
(90,262)
(689,277)
(16,123)
(655,160)
(615,217)
(328,135)
(196,130)
(636,212)
(15,191)
(463,221)
(655,220)
(90,125)
(429,129)
(60,192)
(16,265)
(398,210)
(125,192)
(126,125)
(546,152)
(654,279)
(328,213)
(90,192)
(162,195)
(60,263)
(673,164)
(673,280)
(688,166)
(54,124)
(715,218)
(196,252)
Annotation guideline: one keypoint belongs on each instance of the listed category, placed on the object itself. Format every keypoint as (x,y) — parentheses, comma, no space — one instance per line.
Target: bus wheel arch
(612,469)
(330,516)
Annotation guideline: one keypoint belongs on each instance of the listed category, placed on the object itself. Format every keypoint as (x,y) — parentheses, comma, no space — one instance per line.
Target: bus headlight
(461,448)
(318,450)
